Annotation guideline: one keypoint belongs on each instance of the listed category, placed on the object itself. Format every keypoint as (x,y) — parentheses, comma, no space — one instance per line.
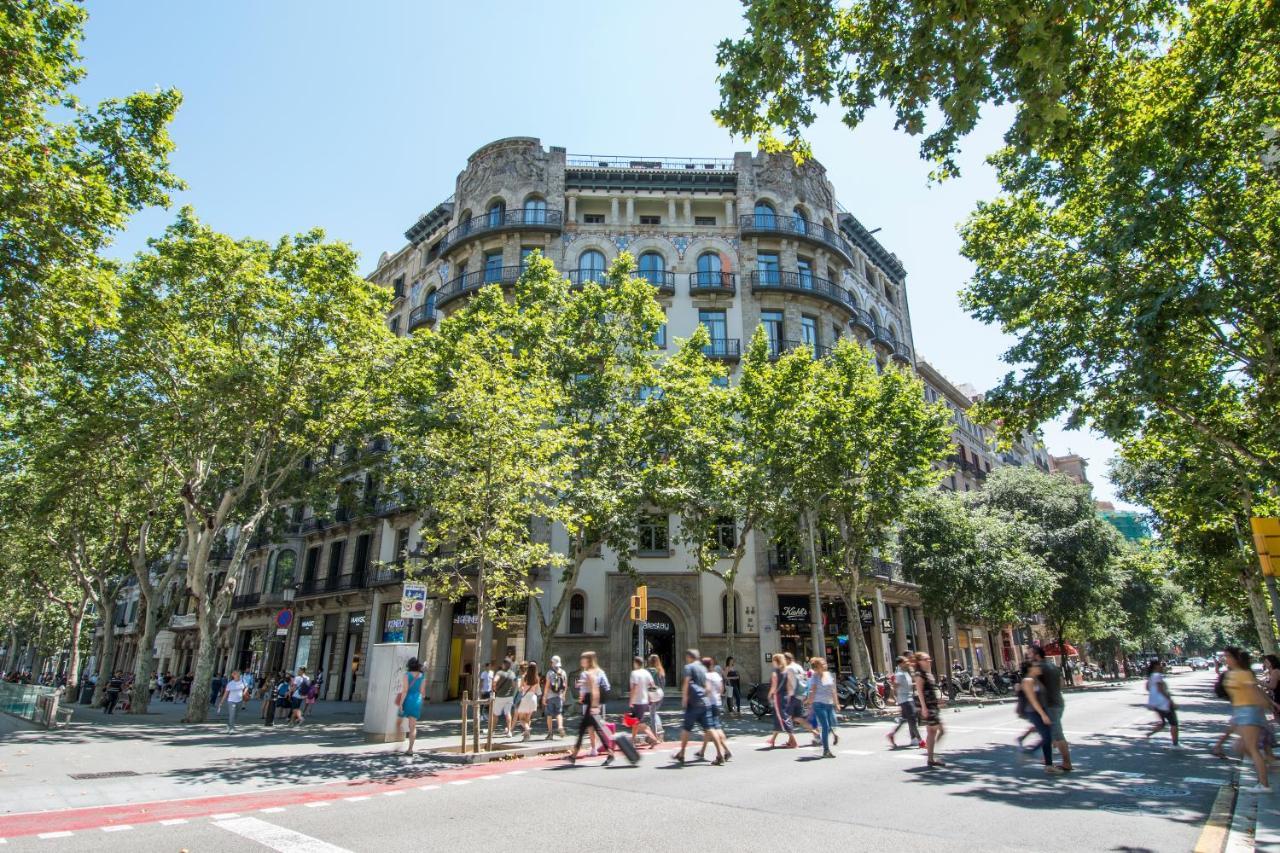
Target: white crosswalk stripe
(60,834)
(121,827)
(277,838)
(173,821)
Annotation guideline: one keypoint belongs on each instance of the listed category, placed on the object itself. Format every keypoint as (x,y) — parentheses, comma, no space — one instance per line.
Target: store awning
(1052,650)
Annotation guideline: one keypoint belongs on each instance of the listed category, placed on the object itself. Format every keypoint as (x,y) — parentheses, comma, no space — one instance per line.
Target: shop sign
(793,609)
(866,614)
(466,619)
(658,627)
(886,626)
(356,621)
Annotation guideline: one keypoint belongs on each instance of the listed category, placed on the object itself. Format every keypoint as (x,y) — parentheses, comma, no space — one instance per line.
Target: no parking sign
(413,601)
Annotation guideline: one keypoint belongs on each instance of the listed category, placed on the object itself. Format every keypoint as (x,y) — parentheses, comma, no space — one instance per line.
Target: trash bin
(86,692)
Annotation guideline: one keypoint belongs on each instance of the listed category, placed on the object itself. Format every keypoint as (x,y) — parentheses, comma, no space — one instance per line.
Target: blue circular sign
(284,618)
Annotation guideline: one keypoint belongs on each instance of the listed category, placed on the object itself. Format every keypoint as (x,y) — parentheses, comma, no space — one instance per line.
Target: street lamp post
(287,595)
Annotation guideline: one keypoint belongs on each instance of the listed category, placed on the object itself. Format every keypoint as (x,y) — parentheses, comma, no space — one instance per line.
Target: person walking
(715,707)
(409,699)
(780,692)
(640,686)
(233,694)
(799,693)
(504,694)
(555,689)
(1050,677)
(530,697)
(733,682)
(904,694)
(927,695)
(592,693)
(1249,704)
(697,713)
(823,701)
(1032,709)
(656,697)
(313,693)
(298,689)
(1159,700)
(114,687)
(486,680)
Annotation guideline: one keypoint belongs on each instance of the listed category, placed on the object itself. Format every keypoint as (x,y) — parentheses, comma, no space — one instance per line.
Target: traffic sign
(284,618)
(413,601)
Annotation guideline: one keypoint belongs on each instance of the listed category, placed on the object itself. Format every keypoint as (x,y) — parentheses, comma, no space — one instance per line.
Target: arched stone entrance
(670,605)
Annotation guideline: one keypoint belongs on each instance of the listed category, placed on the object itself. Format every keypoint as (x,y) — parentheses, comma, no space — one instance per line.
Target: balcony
(179,621)
(472,281)
(327,585)
(779,348)
(891,572)
(663,280)
(725,349)
(788,281)
(901,352)
(793,226)
(880,335)
(249,599)
(510,220)
(863,319)
(579,277)
(423,315)
(386,575)
(713,282)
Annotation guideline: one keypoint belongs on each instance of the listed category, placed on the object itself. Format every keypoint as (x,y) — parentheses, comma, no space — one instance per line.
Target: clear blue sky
(357,117)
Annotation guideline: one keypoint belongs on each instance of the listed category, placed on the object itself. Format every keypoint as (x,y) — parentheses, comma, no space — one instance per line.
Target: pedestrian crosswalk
(276,837)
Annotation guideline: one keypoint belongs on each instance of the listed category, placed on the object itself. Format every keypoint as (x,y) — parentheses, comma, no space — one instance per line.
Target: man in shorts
(641,683)
(504,694)
(697,711)
(553,696)
(1050,677)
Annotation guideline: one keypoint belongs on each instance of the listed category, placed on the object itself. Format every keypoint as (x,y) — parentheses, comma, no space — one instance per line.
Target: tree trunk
(1261,613)
(144,665)
(857,642)
(731,608)
(107,619)
(547,626)
(206,651)
(73,655)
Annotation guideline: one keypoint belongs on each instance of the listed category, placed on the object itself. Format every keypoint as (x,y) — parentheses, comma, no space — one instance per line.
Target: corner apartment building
(730,244)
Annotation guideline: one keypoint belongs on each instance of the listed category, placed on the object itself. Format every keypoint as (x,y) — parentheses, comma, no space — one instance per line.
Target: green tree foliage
(256,359)
(972,562)
(480,449)
(70,177)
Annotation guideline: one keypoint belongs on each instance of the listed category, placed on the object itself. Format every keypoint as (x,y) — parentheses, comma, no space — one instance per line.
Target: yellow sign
(1266,538)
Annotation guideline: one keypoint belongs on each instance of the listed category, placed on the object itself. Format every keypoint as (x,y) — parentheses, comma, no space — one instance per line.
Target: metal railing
(712,282)
(803,282)
(386,575)
(880,335)
(421,316)
(863,318)
(579,277)
(472,281)
(248,599)
(814,232)
(613,161)
(725,348)
(540,219)
(664,280)
(901,351)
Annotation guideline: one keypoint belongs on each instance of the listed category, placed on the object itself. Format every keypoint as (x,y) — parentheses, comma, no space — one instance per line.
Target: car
(1198,663)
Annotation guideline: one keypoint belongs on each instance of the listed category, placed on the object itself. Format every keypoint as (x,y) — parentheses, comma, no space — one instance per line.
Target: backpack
(802,686)
(303,687)
(556,681)
(605,689)
(282,692)
(1219,688)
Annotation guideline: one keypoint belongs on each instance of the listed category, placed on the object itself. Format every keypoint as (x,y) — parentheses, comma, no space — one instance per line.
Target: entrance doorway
(660,640)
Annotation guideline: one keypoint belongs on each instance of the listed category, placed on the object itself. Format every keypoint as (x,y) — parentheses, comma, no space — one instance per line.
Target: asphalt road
(1127,794)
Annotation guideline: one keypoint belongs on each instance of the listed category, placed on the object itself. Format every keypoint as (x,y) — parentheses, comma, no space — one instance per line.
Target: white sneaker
(1258,789)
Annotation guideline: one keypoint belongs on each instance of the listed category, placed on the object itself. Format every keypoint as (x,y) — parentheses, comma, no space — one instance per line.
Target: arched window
(497,211)
(801,221)
(764,215)
(652,267)
(710,267)
(464,222)
(591,266)
(535,211)
(430,303)
(736,625)
(577,613)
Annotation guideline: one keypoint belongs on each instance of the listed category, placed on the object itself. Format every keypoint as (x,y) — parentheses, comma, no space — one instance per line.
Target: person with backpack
(593,692)
(553,696)
(409,700)
(299,688)
(799,694)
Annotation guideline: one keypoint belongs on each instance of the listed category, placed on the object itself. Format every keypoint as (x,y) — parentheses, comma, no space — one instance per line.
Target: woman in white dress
(530,692)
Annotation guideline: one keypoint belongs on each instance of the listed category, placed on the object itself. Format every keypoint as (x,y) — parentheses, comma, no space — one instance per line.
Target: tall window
(764,215)
(535,211)
(726,534)
(772,322)
(282,575)
(809,334)
(660,336)
(497,211)
(717,328)
(591,265)
(652,267)
(801,221)
(493,266)
(430,303)
(577,613)
(709,270)
(653,535)
(805,270)
(767,267)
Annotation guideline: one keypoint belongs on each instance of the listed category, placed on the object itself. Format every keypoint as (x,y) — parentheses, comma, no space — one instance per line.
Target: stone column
(880,660)
(728,211)
(922,636)
(631,210)
(900,629)
(688,212)
(671,211)
(572,202)
(613,211)
(433,651)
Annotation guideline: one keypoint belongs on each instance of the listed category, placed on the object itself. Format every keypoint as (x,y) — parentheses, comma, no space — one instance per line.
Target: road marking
(1202,780)
(356,799)
(515,772)
(1214,835)
(272,810)
(494,778)
(461,782)
(277,837)
(428,787)
(227,816)
(319,804)
(123,827)
(393,793)
(856,752)
(173,821)
(905,756)
(60,834)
